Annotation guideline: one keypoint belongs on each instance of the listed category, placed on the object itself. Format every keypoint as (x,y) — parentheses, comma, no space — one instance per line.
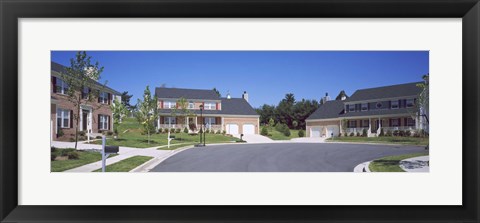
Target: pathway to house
(124,153)
(416,164)
(255,138)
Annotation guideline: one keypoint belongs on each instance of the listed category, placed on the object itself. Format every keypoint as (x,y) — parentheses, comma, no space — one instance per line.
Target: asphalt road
(279,157)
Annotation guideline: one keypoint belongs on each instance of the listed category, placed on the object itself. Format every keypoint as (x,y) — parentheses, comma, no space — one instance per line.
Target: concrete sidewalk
(416,164)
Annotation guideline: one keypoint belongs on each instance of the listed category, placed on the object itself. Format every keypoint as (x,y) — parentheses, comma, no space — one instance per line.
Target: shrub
(98,137)
(339,134)
(178,130)
(389,133)
(53,149)
(60,133)
(172,130)
(364,133)
(207,130)
(219,132)
(52,157)
(109,133)
(160,130)
(395,133)
(301,133)
(345,134)
(72,139)
(287,132)
(224,132)
(408,133)
(73,155)
(381,133)
(352,134)
(192,126)
(185,130)
(401,133)
(264,131)
(358,134)
(81,133)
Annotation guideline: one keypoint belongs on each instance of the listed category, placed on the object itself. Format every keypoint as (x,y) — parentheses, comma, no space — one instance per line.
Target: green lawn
(176,146)
(85,157)
(276,135)
(391,163)
(134,138)
(126,164)
(383,139)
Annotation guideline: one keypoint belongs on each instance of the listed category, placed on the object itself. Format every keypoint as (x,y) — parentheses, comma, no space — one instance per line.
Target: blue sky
(266,75)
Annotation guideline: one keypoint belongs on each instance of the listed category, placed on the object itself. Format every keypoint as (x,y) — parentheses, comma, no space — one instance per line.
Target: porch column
(341,127)
(369,126)
(223,121)
(81,119)
(158,121)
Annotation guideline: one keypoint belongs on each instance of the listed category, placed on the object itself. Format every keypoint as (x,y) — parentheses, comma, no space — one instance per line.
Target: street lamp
(201,128)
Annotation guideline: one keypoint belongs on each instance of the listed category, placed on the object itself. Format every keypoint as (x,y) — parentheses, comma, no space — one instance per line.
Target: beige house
(388,108)
(205,108)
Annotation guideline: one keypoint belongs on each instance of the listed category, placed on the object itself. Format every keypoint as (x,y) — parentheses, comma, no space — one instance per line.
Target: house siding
(312,124)
(240,122)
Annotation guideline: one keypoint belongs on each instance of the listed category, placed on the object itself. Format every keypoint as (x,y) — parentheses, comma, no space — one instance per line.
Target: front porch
(374,127)
(193,124)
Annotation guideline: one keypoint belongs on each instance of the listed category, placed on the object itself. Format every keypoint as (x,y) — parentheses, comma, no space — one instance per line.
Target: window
(210,106)
(170,120)
(63,118)
(191,105)
(352,124)
(394,104)
(85,92)
(62,87)
(210,121)
(378,105)
(103,97)
(103,122)
(410,122)
(170,104)
(351,108)
(364,106)
(394,122)
(410,103)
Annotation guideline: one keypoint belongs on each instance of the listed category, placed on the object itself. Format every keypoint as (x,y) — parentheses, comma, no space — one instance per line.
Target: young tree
(147,112)
(182,110)
(119,111)
(422,102)
(218,92)
(81,78)
(271,123)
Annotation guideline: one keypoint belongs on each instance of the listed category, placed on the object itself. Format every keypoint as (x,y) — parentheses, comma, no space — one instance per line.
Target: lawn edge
(149,165)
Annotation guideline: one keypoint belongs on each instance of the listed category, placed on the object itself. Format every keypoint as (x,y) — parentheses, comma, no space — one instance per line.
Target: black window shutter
(109,99)
(54,83)
(71,118)
(108,122)
(99,92)
(98,121)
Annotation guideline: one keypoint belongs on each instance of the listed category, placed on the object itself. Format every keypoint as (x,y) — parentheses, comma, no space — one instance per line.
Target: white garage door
(248,129)
(332,129)
(315,131)
(232,129)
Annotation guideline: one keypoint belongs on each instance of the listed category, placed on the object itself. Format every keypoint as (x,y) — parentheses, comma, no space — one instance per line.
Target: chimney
(343,98)
(228,95)
(245,96)
(326,98)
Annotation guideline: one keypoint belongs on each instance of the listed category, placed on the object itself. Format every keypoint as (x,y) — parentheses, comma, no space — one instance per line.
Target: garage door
(232,129)
(248,129)
(332,129)
(315,131)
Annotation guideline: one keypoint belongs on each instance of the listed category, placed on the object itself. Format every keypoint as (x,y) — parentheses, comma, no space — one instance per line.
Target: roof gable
(393,91)
(331,109)
(175,93)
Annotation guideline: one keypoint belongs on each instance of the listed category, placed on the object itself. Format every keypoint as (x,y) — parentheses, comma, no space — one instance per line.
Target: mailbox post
(169,139)
(106,151)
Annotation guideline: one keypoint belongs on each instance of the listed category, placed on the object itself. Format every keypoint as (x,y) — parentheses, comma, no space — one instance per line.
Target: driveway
(279,157)
(255,139)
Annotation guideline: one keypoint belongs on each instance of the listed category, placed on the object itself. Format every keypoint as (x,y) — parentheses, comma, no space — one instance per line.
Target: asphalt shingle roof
(393,91)
(233,106)
(331,109)
(176,93)
(378,112)
(61,69)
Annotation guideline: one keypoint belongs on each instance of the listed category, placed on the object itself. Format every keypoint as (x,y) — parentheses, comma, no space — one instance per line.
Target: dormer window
(394,104)
(378,105)
(170,104)
(351,108)
(191,105)
(364,106)
(210,106)
(410,103)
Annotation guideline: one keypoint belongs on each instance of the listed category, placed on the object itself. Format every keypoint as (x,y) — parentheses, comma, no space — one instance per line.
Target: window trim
(366,107)
(395,120)
(407,104)
(191,105)
(62,118)
(169,104)
(412,122)
(210,106)
(103,100)
(391,104)
(102,123)
(169,122)
(350,107)
(62,87)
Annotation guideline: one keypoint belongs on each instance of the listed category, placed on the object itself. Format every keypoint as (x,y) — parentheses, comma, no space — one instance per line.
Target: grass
(176,146)
(383,139)
(276,135)
(134,138)
(85,157)
(126,164)
(391,163)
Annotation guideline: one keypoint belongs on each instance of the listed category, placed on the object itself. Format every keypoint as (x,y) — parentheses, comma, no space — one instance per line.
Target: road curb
(362,167)
(149,165)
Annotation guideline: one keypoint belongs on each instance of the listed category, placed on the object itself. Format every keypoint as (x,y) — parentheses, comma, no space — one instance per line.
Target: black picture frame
(11,11)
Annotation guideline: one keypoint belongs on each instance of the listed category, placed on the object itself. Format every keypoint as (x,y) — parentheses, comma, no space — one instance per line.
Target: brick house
(233,115)
(388,108)
(94,117)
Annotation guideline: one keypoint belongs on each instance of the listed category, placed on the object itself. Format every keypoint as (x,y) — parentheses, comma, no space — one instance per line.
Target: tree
(266,112)
(340,95)
(126,100)
(81,77)
(182,109)
(271,122)
(147,112)
(422,102)
(119,111)
(217,92)
(284,109)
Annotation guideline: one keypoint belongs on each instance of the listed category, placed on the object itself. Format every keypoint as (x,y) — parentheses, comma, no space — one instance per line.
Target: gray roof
(393,91)
(377,112)
(176,93)
(331,109)
(61,69)
(233,106)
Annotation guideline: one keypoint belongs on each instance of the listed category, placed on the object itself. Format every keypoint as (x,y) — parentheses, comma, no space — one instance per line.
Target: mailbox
(111,149)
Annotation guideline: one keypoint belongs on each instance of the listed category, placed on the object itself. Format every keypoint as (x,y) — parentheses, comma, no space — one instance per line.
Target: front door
(85,116)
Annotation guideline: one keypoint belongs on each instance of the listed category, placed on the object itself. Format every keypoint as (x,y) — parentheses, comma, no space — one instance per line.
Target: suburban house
(207,108)
(94,117)
(388,108)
